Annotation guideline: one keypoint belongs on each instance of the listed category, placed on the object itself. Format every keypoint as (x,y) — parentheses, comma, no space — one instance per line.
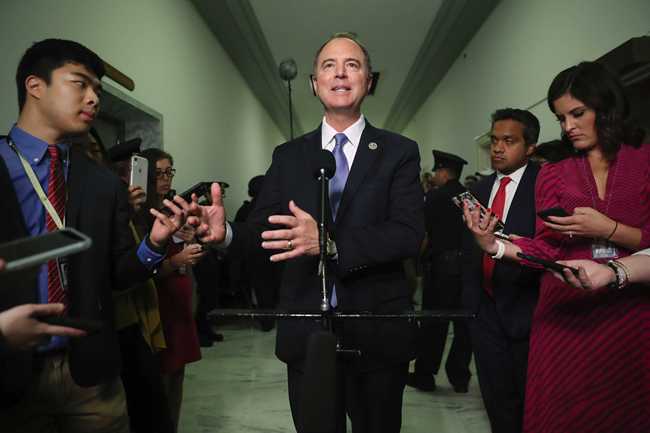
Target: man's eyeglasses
(169,173)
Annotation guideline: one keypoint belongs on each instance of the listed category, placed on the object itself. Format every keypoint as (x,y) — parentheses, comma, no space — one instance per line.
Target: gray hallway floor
(240,387)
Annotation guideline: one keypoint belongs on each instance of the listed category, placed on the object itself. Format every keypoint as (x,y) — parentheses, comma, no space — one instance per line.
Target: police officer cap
(447,160)
(124,151)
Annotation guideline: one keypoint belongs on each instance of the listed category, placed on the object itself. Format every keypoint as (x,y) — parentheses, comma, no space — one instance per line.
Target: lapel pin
(372,145)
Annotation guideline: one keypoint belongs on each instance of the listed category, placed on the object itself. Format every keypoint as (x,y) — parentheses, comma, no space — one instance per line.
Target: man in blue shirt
(69,385)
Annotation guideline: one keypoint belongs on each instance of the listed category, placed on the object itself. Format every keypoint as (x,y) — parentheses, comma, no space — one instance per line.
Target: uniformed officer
(442,283)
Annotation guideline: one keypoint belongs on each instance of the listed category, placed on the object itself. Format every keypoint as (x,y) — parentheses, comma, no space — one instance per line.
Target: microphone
(318,388)
(288,69)
(324,161)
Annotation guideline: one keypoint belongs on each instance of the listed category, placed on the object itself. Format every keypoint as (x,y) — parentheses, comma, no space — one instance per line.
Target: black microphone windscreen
(324,160)
(318,393)
(288,69)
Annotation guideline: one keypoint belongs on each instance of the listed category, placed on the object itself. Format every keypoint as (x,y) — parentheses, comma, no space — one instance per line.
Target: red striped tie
(56,195)
(498,205)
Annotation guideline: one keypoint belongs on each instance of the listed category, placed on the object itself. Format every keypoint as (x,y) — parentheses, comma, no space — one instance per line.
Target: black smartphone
(553,211)
(31,251)
(548,264)
(91,326)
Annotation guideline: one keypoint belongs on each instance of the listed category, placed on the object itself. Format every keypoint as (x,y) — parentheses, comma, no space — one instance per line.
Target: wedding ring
(289,245)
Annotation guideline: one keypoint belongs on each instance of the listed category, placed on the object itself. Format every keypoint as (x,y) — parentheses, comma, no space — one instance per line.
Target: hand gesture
(591,275)
(210,220)
(186,233)
(137,197)
(165,226)
(482,227)
(299,238)
(585,222)
(22,330)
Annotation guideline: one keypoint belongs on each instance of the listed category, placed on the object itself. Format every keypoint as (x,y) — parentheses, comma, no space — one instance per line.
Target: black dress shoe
(461,389)
(215,336)
(421,382)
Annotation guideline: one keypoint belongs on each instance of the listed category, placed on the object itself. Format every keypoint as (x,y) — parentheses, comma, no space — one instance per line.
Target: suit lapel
(76,186)
(525,190)
(363,160)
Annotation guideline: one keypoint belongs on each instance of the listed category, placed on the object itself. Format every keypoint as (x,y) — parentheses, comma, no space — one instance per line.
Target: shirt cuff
(149,258)
(223,245)
(645,252)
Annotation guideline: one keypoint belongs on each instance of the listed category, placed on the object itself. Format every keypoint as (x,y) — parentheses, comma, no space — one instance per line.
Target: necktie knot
(505,181)
(340,139)
(53,150)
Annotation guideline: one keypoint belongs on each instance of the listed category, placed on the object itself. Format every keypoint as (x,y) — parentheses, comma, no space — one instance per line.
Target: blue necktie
(337,185)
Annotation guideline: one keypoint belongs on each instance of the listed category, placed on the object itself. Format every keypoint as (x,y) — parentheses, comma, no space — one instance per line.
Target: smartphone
(548,264)
(139,172)
(553,211)
(474,203)
(32,251)
(91,326)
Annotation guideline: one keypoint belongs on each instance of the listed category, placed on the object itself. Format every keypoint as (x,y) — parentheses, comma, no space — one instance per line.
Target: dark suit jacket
(516,288)
(97,206)
(379,223)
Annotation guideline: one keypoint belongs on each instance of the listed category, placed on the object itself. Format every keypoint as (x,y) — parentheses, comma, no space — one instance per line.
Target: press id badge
(602,249)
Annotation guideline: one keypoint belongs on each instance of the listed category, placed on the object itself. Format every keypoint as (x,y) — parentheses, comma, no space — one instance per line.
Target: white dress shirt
(511,189)
(353,132)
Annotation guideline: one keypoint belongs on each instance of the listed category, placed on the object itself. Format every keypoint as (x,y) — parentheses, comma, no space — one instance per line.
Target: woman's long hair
(599,89)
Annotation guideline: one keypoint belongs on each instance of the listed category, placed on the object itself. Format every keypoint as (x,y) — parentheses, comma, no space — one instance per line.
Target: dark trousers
(372,400)
(146,399)
(443,291)
(501,364)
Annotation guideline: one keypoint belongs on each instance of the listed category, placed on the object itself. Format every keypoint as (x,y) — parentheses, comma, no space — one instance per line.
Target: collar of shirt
(353,132)
(32,148)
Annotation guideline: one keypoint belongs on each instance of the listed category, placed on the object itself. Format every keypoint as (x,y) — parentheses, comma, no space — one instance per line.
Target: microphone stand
(322,241)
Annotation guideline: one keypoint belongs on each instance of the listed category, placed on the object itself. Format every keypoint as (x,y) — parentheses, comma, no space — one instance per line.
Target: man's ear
(312,84)
(531,149)
(34,86)
(370,80)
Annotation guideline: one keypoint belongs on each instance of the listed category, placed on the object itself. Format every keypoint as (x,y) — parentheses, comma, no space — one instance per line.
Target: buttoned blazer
(97,206)
(516,288)
(380,222)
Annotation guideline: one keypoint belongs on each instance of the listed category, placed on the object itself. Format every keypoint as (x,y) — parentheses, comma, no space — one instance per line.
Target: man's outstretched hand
(299,237)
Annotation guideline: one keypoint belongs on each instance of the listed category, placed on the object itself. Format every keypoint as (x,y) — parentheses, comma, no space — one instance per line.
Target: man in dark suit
(504,294)
(376,221)
(69,385)
(442,283)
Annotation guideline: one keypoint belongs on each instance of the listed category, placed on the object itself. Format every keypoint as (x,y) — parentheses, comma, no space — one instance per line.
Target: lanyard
(37,186)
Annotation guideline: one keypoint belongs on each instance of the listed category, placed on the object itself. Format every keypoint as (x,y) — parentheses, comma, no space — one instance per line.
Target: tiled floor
(240,387)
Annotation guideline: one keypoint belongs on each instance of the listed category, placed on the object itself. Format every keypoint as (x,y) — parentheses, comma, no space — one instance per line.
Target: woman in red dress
(175,288)
(588,360)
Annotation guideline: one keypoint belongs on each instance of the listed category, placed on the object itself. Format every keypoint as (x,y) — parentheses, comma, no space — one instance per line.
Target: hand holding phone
(473,203)
(553,211)
(90,326)
(547,264)
(139,172)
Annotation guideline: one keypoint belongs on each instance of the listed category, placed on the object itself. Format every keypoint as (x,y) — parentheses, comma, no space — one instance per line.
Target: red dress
(175,304)
(589,351)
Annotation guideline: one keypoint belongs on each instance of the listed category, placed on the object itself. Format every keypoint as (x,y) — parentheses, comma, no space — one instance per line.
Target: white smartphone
(139,172)
(31,251)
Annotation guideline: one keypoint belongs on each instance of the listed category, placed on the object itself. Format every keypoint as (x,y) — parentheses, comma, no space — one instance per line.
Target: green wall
(213,125)
(511,62)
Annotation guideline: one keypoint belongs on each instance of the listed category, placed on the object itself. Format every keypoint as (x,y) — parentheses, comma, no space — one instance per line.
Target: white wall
(512,60)
(213,125)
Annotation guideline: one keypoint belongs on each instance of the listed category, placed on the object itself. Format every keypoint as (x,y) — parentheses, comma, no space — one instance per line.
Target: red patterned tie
(56,195)
(497,208)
